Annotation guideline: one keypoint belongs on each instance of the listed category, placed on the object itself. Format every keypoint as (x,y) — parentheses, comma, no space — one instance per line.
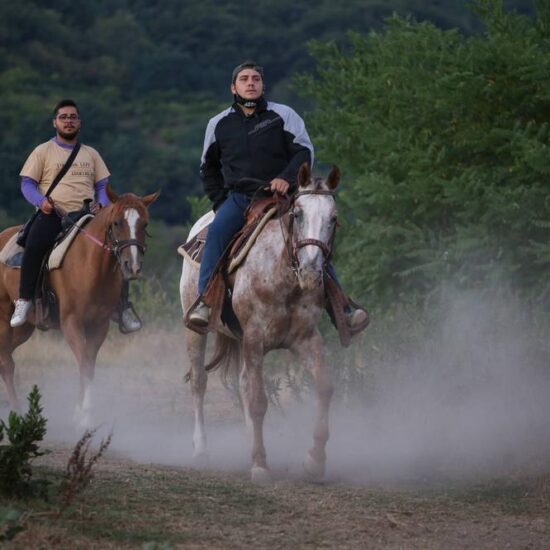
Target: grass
(147,506)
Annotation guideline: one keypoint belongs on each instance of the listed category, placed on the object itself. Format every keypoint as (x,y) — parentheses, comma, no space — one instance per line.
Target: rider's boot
(355,317)
(200,315)
(129,321)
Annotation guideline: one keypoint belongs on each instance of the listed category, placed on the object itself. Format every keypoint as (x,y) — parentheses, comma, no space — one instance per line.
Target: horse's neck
(275,237)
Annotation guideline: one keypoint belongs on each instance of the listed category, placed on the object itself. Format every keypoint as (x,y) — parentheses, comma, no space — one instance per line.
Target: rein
(120,245)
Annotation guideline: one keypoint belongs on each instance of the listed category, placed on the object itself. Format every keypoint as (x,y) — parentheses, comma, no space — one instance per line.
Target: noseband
(118,245)
(292,248)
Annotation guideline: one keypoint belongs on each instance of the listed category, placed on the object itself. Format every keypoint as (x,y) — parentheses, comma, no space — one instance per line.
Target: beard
(68,135)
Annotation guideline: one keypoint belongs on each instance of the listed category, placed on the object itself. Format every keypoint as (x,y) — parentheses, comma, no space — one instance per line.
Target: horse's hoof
(201,459)
(315,470)
(260,476)
(83,419)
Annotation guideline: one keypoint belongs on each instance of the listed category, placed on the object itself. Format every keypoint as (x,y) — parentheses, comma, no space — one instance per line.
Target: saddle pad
(193,249)
(199,226)
(12,253)
(193,253)
(60,249)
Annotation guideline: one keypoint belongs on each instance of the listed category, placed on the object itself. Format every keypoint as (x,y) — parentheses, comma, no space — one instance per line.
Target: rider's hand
(279,185)
(46,206)
(95,207)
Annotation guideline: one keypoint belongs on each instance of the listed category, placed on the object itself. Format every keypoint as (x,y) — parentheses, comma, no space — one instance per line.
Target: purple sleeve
(100,193)
(29,188)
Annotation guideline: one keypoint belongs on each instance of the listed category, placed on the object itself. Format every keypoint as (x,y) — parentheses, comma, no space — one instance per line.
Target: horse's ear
(150,199)
(113,197)
(333,178)
(303,175)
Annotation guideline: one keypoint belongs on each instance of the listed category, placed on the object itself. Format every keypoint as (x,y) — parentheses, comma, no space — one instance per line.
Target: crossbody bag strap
(63,170)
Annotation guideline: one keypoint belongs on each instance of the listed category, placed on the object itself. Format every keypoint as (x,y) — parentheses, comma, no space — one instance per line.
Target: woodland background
(437,113)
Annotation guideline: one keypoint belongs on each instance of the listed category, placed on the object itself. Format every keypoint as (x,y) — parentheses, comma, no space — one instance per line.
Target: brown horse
(278,298)
(87,287)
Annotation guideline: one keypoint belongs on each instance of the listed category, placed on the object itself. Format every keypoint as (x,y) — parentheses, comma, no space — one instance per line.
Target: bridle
(292,248)
(118,245)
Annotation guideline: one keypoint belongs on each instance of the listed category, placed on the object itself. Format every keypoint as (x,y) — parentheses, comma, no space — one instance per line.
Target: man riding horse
(86,178)
(251,142)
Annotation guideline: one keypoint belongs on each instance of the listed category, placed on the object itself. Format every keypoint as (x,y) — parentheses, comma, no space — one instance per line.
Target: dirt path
(130,505)
(434,472)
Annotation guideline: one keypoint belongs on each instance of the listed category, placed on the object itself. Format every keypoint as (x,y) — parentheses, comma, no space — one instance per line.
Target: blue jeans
(228,220)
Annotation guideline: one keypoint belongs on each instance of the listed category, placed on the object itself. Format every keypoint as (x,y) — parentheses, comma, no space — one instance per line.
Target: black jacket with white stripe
(272,142)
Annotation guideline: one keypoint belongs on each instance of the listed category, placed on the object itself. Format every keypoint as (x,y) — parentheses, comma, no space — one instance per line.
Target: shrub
(23,433)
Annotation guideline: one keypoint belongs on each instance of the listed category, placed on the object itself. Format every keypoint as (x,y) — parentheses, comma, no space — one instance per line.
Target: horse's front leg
(255,405)
(9,339)
(196,345)
(85,343)
(311,353)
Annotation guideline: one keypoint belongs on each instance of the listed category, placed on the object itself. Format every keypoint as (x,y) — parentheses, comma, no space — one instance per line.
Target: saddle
(45,301)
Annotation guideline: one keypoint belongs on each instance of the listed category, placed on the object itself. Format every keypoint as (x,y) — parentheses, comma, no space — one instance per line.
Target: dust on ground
(462,470)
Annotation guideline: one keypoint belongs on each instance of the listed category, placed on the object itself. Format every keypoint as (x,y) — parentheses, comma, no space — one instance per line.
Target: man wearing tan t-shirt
(86,178)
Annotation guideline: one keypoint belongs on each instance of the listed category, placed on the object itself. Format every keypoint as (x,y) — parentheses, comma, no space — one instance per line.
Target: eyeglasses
(68,117)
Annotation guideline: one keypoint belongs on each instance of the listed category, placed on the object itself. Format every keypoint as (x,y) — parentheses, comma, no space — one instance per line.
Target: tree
(443,140)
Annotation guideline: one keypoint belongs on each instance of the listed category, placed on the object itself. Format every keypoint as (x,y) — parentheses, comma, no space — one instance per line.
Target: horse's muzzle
(131,269)
(309,279)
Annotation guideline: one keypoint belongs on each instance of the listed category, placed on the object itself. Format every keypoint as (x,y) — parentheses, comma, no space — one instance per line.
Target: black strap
(63,170)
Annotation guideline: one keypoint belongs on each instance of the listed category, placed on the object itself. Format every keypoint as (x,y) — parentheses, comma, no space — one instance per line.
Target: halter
(292,248)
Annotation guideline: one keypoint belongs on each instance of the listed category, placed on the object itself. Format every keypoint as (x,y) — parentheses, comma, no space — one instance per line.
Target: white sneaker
(22,308)
(130,322)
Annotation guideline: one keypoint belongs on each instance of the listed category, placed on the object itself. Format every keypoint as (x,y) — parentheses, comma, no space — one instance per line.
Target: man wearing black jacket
(252,142)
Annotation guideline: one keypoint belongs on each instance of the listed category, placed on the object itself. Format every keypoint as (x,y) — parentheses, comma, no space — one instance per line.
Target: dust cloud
(468,399)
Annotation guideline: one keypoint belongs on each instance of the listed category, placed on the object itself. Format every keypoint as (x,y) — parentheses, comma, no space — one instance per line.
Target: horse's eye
(298,214)
(333,219)
(115,223)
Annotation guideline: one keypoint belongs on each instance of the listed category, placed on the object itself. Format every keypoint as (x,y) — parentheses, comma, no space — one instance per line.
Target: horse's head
(128,219)
(313,220)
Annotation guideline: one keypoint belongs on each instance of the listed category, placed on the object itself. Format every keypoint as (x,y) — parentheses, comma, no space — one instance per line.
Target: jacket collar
(260,107)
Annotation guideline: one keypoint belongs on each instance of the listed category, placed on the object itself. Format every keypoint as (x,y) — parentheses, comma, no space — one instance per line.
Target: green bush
(443,140)
(24,434)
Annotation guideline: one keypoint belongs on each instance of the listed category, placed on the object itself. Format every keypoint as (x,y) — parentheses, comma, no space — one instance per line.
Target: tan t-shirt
(45,162)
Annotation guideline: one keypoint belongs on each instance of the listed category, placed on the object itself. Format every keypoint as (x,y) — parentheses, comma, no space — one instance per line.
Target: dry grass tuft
(79,470)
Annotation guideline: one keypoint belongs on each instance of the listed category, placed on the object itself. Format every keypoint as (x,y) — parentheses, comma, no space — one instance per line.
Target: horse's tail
(227,356)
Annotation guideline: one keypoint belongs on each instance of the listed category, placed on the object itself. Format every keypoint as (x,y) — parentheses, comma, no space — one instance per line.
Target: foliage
(443,141)
(147,76)
(10,523)
(23,433)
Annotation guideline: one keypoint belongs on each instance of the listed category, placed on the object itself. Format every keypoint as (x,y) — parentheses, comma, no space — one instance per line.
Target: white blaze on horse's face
(132,264)
(314,218)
